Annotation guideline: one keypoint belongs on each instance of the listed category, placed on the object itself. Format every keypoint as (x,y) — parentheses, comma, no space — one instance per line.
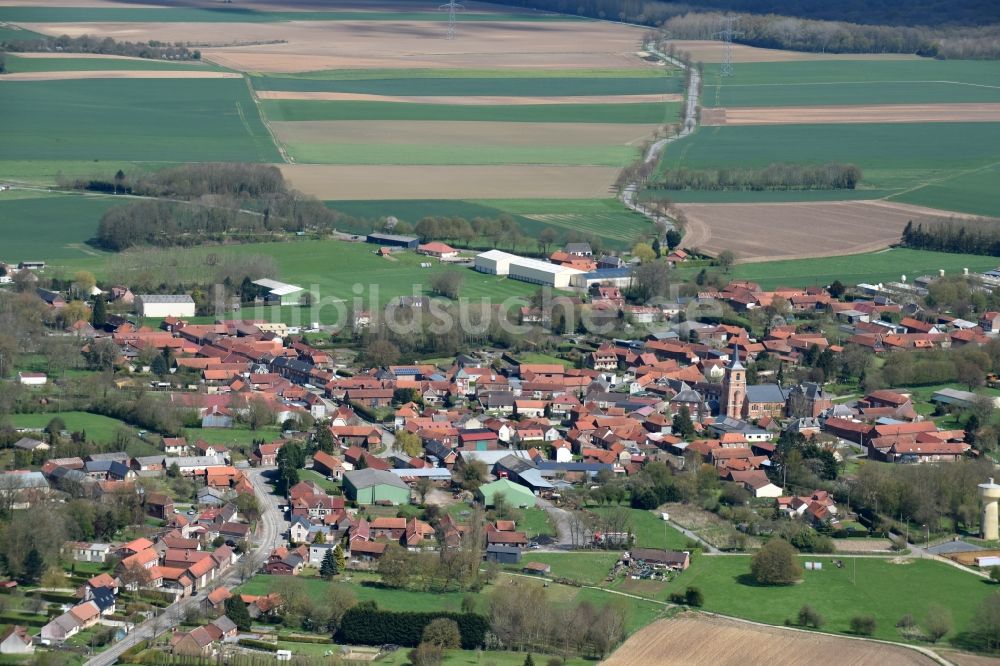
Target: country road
(631,191)
(269,532)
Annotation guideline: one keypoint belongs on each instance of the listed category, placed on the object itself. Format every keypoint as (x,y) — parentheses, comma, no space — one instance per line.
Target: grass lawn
(589,568)
(133,119)
(230,435)
(883,589)
(50,226)
(643,113)
(99,428)
(318,479)
(639,613)
(331,270)
(650,531)
(538,357)
(873,267)
(535,522)
(438,84)
(605,219)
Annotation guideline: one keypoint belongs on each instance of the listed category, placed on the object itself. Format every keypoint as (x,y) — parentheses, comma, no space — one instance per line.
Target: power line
(726,35)
(452,7)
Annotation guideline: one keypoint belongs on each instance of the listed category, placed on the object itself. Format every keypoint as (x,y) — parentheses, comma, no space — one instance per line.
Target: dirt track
(800,230)
(703,639)
(456,100)
(849,114)
(451,182)
(118,74)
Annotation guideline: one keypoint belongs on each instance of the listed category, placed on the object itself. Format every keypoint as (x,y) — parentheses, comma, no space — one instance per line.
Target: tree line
(204,202)
(153,49)
(851,26)
(830,176)
(980,236)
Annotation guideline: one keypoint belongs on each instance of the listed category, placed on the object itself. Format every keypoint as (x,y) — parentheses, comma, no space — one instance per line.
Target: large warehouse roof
(527,262)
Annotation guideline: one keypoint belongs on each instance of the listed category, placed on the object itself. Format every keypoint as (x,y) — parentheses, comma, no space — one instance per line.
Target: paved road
(270,529)
(688,126)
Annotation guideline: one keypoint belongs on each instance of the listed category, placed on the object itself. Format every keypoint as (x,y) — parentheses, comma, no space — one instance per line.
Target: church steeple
(734,387)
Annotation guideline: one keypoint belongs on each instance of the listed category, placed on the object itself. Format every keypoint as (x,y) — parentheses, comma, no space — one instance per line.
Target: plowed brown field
(770,231)
(704,639)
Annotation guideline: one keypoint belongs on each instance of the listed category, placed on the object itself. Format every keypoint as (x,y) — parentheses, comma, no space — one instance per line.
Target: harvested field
(873,113)
(703,639)
(805,230)
(467,101)
(315,45)
(466,133)
(708,51)
(331,182)
(118,74)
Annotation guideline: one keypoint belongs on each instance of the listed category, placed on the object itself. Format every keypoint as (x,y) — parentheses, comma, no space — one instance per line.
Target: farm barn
(164,305)
(527,270)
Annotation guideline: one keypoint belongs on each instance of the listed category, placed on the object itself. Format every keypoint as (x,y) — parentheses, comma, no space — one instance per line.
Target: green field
(607,219)
(589,568)
(440,154)
(881,588)
(649,530)
(892,157)
(477,86)
(874,267)
(17,64)
(12,33)
(643,113)
(99,428)
(49,226)
(330,269)
(820,82)
(26,14)
(640,613)
(969,192)
(132,119)
(46,172)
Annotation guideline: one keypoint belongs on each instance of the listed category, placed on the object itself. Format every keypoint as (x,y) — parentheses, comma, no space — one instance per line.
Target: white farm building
(525,269)
(164,305)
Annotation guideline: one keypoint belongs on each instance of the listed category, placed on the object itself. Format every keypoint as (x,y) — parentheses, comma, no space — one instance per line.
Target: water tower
(989,495)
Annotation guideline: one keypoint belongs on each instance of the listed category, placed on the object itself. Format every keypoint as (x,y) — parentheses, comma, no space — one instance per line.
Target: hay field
(702,639)
(872,113)
(384,182)
(314,45)
(774,231)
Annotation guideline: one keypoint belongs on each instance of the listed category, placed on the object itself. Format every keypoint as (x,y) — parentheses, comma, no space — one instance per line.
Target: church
(739,401)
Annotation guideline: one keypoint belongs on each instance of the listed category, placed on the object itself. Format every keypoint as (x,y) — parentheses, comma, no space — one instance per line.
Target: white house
(16,641)
(32,378)
(91,552)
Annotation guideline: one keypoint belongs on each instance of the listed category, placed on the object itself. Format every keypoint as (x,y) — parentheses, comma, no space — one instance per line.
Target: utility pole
(726,35)
(452,7)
